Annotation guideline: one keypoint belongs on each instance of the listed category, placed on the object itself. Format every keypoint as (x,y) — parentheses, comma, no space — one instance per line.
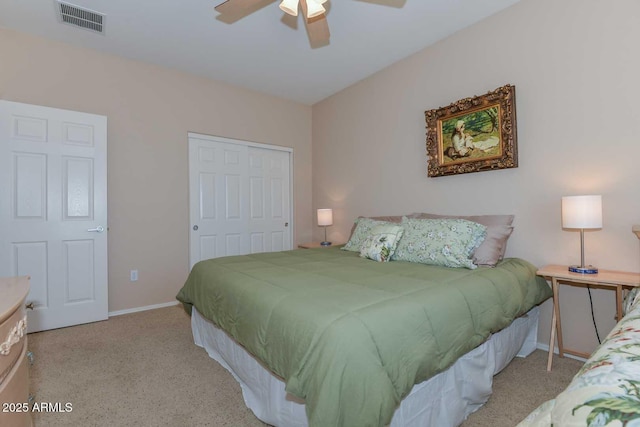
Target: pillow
(394,219)
(361,232)
(494,245)
(446,242)
(381,243)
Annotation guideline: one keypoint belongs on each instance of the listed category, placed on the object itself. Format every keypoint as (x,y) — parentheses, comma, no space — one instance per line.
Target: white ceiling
(266,50)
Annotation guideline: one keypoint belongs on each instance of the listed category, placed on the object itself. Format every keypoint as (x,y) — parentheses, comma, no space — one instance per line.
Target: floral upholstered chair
(606,390)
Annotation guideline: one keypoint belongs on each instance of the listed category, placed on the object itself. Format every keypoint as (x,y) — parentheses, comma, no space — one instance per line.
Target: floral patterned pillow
(381,243)
(362,231)
(445,242)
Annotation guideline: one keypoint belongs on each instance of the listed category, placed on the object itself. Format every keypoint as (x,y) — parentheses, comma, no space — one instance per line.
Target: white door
(269,200)
(239,197)
(53,211)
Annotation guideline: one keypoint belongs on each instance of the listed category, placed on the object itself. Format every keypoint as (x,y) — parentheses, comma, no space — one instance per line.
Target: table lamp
(583,213)
(325,219)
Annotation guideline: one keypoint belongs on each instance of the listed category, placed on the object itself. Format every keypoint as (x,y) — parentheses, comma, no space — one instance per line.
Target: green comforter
(352,336)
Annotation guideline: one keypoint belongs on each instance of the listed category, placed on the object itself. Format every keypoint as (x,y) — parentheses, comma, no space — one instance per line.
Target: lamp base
(589,269)
(325,243)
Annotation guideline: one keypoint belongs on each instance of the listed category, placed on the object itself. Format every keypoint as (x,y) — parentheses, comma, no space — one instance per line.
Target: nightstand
(311,245)
(14,358)
(559,274)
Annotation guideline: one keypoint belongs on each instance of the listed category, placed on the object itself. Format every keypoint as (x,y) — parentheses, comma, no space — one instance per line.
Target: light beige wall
(574,66)
(150,110)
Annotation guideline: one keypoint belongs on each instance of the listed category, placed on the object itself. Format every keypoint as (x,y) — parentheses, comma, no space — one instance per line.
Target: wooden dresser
(14,367)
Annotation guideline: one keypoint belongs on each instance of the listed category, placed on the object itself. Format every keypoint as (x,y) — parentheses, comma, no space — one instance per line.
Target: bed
(350,338)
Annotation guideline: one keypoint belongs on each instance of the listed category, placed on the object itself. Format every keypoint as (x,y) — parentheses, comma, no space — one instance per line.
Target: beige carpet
(143,369)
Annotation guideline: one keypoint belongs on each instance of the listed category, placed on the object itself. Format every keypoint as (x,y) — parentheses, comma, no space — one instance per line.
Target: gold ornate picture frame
(473,134)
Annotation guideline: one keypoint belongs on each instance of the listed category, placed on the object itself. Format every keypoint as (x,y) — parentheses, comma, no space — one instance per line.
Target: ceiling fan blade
(235,6)
(317,28)
(392,3)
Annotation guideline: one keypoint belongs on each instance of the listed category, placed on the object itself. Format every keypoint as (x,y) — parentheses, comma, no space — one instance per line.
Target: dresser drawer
(14,393)
(13,334)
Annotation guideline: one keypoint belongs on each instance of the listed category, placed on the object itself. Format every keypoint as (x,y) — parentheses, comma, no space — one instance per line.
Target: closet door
(239,198)
(269,200)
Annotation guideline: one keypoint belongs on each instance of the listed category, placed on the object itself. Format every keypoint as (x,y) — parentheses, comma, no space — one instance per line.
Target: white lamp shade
(314,9)
(290,7)
(320,1)
(582,212)
(325,217)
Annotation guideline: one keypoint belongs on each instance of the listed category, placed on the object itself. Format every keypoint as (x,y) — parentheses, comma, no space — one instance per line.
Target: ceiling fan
(312,10)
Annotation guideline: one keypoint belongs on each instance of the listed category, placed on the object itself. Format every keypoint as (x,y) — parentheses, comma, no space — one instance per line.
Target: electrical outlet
(134,275)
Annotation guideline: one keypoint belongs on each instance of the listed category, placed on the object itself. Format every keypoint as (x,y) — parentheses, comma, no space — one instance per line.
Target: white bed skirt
(443,400)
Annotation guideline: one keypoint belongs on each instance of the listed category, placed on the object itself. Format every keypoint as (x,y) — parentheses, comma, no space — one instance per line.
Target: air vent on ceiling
(80,17)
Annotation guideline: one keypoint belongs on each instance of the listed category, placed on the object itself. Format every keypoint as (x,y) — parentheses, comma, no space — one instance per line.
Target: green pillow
(381,243)
(362,231)
(445,242)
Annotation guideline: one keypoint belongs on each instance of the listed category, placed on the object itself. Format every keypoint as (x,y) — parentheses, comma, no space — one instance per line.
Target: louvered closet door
(239,198)
(53,211)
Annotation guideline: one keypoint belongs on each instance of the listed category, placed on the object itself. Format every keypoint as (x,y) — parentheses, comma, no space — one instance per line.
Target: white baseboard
(545,347)
(145,308)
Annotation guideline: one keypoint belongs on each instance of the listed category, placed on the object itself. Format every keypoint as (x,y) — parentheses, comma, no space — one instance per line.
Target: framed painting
(473,134)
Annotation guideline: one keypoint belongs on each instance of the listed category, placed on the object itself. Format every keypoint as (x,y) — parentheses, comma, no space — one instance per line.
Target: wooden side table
(311,245)
(607,279)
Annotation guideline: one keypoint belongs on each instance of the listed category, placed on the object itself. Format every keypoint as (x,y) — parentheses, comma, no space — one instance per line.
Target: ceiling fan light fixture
(290,7)
(314,9)
(320,1)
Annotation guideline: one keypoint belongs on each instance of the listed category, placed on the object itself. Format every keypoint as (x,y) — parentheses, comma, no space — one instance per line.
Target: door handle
(98,229)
